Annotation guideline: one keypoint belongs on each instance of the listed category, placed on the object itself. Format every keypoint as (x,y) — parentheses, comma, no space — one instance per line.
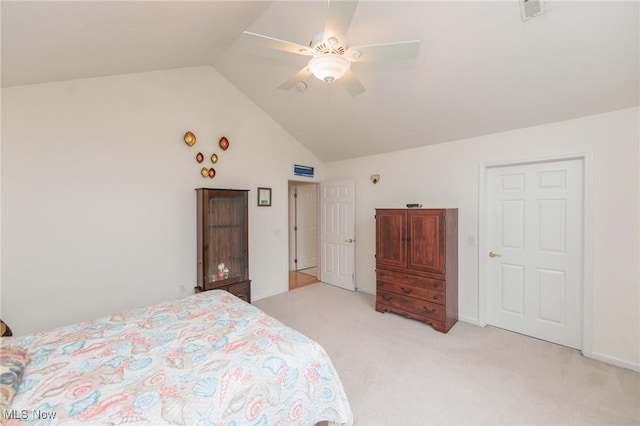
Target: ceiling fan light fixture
(329,67)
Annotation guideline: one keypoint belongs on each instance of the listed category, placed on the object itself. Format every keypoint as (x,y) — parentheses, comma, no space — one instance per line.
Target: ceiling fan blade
(352,84)
(384,52)
(339,18)
(301,75)
(277,44)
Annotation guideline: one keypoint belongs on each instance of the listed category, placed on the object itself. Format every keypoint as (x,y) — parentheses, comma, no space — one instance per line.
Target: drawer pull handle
(429,311)
(436,297)
(436,285)
(385,297)
(406,290)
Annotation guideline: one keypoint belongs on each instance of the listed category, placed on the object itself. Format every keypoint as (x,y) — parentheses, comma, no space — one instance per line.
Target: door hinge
(295,228)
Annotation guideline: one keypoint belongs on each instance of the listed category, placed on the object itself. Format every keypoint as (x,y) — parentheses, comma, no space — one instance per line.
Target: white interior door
(535,242)
(337,234)
(306,226)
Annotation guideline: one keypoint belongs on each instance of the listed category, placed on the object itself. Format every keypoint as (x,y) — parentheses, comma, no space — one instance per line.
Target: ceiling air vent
(530,9)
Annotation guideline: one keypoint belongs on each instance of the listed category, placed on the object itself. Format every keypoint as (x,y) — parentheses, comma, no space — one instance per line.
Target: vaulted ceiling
(480,68)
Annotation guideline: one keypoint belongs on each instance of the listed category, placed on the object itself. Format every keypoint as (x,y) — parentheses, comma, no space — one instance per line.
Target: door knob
(350,240)
(494,254)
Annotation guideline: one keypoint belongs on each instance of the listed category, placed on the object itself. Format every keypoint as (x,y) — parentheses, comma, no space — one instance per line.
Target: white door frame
(587,255)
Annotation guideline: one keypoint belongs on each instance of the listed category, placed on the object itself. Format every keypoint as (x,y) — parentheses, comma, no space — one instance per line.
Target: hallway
(299,279)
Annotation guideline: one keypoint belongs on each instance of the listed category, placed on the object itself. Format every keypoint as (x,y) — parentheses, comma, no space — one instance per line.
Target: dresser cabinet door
(426,237)
(391,239)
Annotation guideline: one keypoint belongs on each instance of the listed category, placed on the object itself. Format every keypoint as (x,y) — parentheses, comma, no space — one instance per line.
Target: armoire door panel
(426,230)
(391,247)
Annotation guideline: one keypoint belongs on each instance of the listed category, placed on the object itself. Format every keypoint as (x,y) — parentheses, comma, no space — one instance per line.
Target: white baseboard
(364,290)
(615,361)
(467,319)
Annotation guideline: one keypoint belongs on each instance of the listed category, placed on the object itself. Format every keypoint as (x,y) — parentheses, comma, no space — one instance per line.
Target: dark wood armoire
(417,264)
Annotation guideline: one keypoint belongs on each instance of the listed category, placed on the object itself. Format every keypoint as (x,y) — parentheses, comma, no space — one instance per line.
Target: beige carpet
(398,371)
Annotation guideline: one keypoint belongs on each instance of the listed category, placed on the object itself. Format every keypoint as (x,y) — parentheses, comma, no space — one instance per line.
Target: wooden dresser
(417,264)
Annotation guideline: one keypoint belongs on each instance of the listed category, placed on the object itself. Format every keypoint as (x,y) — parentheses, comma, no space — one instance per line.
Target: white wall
(98,191)
(98,207)
(446,175)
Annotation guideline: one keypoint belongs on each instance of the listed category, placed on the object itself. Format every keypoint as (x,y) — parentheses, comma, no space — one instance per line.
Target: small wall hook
(375,178)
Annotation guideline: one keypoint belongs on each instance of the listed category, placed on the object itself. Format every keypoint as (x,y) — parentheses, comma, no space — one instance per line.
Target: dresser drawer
(411,285)
(418,307)
(240,290)
(412,280)
(435,296)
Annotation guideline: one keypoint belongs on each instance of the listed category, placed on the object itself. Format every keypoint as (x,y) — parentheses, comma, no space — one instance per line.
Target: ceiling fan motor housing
(330,44)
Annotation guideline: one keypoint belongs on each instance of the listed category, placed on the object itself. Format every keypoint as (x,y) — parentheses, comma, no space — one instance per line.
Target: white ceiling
(480,69)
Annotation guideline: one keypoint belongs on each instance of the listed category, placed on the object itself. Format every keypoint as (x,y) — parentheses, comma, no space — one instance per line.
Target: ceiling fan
(331,55)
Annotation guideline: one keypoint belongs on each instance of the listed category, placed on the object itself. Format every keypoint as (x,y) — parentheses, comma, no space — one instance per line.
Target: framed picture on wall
(264,197)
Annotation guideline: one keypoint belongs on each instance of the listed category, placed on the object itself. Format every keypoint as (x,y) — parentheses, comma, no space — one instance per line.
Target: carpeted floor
(398,371)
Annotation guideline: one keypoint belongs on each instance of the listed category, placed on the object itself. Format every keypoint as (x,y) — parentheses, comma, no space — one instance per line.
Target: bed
(209,358)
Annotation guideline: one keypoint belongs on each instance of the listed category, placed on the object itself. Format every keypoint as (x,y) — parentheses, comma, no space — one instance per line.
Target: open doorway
(303,234)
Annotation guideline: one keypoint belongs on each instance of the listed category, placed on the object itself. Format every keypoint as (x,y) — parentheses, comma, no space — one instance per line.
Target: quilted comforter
(204,359)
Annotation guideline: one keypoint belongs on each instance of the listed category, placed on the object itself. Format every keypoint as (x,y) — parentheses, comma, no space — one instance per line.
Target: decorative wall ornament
(224,143)
(189,138)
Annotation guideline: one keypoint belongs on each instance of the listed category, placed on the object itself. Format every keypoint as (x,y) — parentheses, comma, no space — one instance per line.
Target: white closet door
(535,241)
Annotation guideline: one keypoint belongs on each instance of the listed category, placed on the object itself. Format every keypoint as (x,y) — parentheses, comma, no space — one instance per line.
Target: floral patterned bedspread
(204,359)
